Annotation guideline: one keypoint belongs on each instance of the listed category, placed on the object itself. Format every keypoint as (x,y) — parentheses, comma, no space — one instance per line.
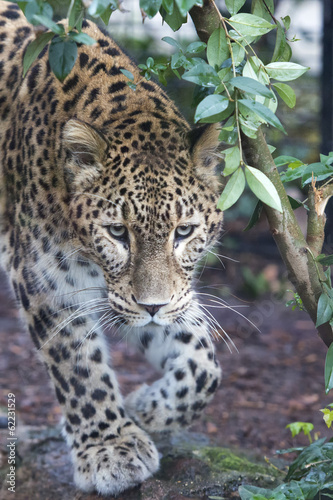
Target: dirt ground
(272,377)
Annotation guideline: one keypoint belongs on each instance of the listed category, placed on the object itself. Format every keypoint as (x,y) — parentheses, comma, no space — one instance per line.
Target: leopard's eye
(118,231)
(184,231)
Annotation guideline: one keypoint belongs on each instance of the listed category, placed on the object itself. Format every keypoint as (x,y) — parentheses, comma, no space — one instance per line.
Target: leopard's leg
(110,452)
(191,375)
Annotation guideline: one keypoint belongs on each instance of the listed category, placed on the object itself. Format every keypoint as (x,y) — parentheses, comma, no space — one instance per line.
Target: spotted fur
(82,161)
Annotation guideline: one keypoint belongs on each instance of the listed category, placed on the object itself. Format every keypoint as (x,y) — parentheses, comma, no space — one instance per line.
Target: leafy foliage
(296,302)
(298,427)
(310,473)
(329,369)
(63,46)
(328,415)
(296,169)
(239,91)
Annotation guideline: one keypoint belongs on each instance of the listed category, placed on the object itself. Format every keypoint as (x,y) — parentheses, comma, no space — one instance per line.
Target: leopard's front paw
(122,463)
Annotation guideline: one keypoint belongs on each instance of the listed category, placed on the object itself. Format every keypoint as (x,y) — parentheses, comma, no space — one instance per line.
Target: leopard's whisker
(72,317)
(218,328)
(222,257)
(218,300)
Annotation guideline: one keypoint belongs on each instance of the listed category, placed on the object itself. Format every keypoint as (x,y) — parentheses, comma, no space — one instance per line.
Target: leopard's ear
(204,144)
(86,149)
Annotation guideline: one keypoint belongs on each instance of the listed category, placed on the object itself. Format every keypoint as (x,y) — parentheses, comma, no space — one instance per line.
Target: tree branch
(302,269)
(316,220)
(305,274)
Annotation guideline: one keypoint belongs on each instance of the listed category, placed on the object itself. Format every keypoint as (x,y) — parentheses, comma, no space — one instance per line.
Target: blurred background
(274,363)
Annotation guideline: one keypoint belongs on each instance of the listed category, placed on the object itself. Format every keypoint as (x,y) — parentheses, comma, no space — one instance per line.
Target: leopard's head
(143,205)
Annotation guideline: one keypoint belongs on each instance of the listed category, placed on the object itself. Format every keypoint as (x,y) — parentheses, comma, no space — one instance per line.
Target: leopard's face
(146,225)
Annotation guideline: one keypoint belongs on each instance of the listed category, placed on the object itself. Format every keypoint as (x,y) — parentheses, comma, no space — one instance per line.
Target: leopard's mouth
(136,315)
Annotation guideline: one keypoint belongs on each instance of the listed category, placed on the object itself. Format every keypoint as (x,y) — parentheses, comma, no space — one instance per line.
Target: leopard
(108,203)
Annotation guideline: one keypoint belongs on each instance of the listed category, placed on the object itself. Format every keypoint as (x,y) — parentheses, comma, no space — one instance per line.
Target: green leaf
(285,71)
(298,427)
(210,106)
(329,369)
(131,85)
(34,49)
(328,417)
(270,103)
(168,6)
(248,24)
(287,54)
(30,9)
(295,203)
(150,7)
(280,43)
(293,173)
(320,172)
(234,6)
(217,48)
(76,15)
(58,29)
(249,127)
(98,8)
(285,160)
(286,93)
(263,188)
(225,74)
(191,62)
(327,159)
(251,86)
(324,309)
(195,48)
(286,21)
(174,20)
(105,16)
(244,40)
(81,38)
(325,260)
(202,74)
(254,68)
(232,191)
(229,132)
(231,160)
(263,9)
(246,106)
(62,57)
(255,216)
(178,60)
(34,8)
(185,5)
(238,53)
(128,74)
(255,493)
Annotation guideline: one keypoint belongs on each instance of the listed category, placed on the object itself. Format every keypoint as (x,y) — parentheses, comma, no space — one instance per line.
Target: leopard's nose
(152,308)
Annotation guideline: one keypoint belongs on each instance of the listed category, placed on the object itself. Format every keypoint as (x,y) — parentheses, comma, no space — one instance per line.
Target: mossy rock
(223,459)
(202,472)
